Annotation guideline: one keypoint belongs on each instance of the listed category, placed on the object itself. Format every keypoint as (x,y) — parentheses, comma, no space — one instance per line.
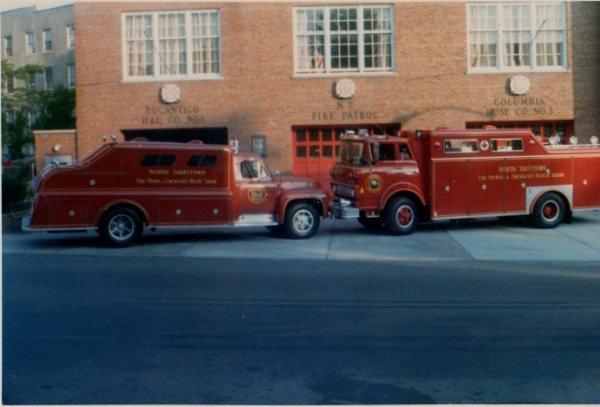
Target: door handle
(447,188)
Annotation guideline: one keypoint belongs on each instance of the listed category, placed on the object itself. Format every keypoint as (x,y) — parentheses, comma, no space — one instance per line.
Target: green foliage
(53,108)
(56,108)
(15,185)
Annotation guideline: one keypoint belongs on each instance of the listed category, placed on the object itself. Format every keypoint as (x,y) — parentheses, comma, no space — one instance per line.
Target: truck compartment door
(486,187)
(450,188)
(174,211)
(67,212)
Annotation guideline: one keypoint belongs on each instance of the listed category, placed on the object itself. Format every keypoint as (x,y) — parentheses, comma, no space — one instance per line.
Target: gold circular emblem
(257,195)
(374,183)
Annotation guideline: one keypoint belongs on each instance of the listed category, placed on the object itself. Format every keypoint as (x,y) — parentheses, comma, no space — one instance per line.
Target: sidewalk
(490,240)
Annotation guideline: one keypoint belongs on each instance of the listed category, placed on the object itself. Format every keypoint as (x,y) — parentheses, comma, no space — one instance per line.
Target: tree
(18,104)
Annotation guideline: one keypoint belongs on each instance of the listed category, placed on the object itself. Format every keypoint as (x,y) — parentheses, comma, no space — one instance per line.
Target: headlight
(344,191)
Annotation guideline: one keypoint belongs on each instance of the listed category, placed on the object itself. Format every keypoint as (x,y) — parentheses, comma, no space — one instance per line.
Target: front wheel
(301,221)
(402,216)
(549,211)
(121,227)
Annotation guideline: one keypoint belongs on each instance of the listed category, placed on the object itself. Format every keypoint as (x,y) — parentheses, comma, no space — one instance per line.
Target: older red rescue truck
(122,188)
(396,181)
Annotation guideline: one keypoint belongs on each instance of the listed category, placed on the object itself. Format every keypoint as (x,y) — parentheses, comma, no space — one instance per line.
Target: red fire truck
(396,181)
(124,187)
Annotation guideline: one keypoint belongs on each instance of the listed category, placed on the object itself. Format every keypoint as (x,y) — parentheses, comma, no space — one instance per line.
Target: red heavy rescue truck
(396,181)
(123,187)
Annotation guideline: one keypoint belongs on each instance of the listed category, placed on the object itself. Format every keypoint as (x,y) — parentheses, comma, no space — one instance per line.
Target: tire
(370,223)
(121,227)
(401,216)
(549,211)
(301,221)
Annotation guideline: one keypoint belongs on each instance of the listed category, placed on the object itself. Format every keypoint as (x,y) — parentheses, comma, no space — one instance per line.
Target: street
(484,312)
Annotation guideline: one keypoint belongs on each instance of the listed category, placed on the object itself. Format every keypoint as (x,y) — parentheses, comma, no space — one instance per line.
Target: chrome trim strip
(477,216)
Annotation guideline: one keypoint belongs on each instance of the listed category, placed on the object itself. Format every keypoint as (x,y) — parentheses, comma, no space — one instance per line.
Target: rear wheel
(549,211)
(121,226)
(401,216)
(370,223)
(301,221)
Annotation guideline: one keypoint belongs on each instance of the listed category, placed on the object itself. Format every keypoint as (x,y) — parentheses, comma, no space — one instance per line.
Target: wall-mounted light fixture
(259,144)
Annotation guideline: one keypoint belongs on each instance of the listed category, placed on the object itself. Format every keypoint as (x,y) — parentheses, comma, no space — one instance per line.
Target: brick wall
(46,140)
(260,94)
(586,68)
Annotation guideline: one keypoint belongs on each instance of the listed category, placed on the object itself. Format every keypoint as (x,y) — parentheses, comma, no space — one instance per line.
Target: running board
(260,219)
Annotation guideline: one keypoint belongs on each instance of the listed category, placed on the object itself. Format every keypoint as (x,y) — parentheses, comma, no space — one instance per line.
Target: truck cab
(123,188)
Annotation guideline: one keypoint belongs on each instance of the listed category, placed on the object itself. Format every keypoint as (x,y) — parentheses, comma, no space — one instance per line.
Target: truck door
(450,188)
(487,187)
(258,192)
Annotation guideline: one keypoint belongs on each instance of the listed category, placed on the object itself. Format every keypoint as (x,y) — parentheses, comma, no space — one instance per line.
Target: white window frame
(68,29)
(27,50)
(362,71)
(5,46)
(70,84)
(157,77)
(533,67)
(45,39)
(46,70)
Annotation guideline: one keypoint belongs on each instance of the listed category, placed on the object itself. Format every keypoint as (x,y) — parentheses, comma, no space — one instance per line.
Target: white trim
(532,68)
(156,76)
(359,32)
(54,131)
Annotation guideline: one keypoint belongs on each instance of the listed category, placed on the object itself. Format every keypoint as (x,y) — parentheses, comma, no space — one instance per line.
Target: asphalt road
(162,323)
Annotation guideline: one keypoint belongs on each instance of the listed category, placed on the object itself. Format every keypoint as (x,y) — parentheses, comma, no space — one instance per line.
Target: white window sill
(514,71)
(342,74)
(172,79)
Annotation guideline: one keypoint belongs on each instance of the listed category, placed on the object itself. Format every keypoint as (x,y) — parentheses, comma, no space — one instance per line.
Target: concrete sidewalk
(489,240)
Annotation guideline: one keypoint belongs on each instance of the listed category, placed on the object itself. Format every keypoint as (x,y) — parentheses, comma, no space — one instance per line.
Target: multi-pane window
(70,36)
(516,36)
(30,42)
(31,81)
(205,43)
(10,83)
(549,45)
(71,75)
(8,46)
(48,78)
(344,39)
(182,44)
(47,37)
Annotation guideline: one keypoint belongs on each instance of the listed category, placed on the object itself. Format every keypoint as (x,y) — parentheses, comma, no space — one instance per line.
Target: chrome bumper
(342,209)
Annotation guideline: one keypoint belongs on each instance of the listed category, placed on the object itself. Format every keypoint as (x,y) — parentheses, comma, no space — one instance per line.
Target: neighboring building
(295,76)
(40,37)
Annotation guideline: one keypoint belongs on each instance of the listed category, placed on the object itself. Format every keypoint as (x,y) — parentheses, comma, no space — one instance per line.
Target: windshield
(352,152)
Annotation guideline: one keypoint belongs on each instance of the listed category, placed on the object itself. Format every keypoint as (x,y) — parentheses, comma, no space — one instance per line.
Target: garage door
(315,149)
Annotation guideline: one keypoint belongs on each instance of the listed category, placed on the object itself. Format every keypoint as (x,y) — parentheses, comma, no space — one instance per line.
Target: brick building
(294,76)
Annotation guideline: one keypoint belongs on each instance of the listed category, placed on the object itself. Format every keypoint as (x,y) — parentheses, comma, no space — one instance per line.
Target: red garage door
(315,149)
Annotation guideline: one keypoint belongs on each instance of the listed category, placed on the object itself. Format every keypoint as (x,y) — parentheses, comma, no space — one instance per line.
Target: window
(8,46)
(506,145)
(253,169)
(71,75)
(202,160)
(461,146)
(10,83)
(387,152)
(539,128)
(31,81)
(48,78)
(516,36)
(47,37)
(157,160)
(343,39)
(70,36)
(180,45)
(30,42)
